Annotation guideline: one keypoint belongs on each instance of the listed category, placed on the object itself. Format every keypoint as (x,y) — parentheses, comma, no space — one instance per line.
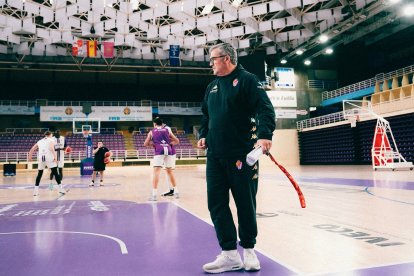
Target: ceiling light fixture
(408,10)
(299,52)
(208,8)
(329,51)
(236,3)
(283,61)
(307,62)
(135,4)
(323,38)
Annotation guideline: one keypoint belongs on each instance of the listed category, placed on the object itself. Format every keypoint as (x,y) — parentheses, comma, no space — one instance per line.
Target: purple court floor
(108,238)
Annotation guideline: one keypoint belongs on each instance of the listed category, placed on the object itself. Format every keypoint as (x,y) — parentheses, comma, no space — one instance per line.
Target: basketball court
(357,222)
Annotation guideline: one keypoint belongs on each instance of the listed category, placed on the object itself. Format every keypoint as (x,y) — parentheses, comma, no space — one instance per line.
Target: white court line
(122,245)
(293,269)
(359,268)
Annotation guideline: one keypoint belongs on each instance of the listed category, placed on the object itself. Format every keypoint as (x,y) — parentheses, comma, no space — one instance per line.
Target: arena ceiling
(41,32)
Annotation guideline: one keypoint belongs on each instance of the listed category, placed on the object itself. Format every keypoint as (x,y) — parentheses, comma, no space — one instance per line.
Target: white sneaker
(251,262)
(36,191)
(61,190)
(226,261)
(92,183)
(101,183)
(152,198)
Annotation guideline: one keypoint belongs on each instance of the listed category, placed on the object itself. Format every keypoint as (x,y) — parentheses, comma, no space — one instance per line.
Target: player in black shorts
(100,153)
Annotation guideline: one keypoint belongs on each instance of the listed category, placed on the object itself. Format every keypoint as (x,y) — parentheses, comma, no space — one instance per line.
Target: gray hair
(226,49)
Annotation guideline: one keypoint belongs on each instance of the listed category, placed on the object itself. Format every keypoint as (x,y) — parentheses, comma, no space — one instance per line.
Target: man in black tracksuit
(237,115)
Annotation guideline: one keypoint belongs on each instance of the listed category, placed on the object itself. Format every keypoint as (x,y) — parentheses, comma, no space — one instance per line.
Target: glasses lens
(212,59)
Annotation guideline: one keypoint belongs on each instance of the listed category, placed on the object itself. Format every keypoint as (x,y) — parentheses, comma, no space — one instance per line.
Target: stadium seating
(111,141)
(345,145)
(10,142)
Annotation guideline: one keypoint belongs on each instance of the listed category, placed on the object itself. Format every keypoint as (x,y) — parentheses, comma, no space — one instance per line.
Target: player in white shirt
(60,147)
(46,157)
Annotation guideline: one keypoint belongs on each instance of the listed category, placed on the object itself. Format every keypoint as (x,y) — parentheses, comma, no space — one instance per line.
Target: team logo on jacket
(214,89)
(239,164)
(235,82)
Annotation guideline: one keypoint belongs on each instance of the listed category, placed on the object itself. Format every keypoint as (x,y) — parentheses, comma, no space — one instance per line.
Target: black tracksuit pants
(224,175)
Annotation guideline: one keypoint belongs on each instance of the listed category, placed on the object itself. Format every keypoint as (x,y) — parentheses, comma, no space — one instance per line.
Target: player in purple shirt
(162,139)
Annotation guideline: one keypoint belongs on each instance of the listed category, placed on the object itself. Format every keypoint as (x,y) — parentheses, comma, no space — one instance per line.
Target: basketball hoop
(353,120)
(86,133)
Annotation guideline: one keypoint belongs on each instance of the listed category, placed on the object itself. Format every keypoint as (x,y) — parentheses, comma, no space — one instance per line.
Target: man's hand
(201,144)
(265,144)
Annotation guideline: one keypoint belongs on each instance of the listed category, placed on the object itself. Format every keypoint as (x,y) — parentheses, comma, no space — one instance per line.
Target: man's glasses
(212,59)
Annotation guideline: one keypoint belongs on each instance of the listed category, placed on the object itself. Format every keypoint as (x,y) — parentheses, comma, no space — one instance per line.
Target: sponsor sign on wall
(286,77)
(175,110)
(103,113)
(283,98)
(285,113)
(16,110)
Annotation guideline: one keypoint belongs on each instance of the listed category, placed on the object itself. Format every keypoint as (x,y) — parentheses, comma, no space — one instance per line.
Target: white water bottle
(253,156)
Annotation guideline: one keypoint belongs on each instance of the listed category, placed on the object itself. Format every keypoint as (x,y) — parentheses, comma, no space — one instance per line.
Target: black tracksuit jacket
(236,112)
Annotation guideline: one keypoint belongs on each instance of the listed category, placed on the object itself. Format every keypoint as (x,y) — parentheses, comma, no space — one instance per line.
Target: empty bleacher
(15,146)
(345,145)
(111,141)
(19,142)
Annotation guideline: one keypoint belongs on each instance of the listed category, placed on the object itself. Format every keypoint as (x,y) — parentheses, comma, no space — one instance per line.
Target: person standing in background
(162,139)
(100,152)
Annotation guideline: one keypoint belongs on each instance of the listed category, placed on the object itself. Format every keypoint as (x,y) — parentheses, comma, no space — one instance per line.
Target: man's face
(100,144)
(219,62)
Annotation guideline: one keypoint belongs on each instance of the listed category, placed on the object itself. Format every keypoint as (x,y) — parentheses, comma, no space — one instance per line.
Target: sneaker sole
(224,269)
(252,268)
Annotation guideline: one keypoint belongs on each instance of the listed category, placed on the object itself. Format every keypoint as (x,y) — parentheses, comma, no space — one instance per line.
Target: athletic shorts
(46,161)
(61,162)
(168,161)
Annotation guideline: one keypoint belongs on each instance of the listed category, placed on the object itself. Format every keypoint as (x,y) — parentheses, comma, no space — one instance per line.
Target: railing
(322,84)
(100,103)
(367,83)
(348,89)
(116,155)
(321,120)
(177,104)
(18,102)
(26,130)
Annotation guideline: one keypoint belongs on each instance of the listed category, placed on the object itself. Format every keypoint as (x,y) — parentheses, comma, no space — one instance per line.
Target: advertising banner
(283,98)
(286,77)
(16,110)
(175,110)
(103,113)
(286,113)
